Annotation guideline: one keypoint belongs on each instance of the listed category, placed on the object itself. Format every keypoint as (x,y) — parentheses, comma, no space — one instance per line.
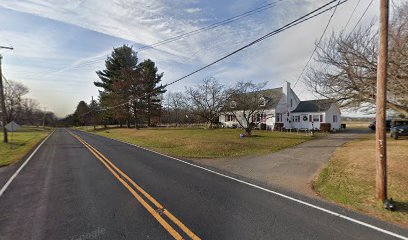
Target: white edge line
(4,188)
(266,190)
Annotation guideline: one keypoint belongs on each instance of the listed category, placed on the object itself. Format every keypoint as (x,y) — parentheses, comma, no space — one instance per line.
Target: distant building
(282,105)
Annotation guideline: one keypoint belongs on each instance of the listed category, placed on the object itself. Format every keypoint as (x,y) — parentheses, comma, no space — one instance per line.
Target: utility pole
(45,112)
(380,128)
(93,106)
(3,100)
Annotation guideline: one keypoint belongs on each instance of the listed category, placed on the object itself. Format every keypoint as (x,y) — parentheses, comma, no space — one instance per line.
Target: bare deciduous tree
(177,102)
(13,93)
(207,99)
(346,66)
(245,101)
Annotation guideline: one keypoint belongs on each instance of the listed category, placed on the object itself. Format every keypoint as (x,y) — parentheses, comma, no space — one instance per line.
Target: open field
(349,179)
(21,143)
(204,143)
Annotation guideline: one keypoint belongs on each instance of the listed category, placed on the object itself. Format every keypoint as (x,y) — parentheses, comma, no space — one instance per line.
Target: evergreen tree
(131,89)
(150,81)
(122,58)
(81,114)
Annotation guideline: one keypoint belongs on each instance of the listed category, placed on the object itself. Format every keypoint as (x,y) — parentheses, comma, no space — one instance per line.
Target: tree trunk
(248,131)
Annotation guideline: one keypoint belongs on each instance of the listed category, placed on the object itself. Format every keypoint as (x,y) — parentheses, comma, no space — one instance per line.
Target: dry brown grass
(205,143)
(356,124)
(349,179)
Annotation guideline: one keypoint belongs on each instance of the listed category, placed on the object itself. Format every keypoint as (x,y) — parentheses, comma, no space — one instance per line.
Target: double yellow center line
(138,192)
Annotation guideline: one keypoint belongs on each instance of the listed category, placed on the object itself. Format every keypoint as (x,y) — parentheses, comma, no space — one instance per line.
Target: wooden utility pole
(44,115)
(380,131)
(3,105)
(93,106)
(3,100)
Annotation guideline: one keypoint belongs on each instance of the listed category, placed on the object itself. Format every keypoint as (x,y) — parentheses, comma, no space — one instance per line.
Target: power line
(355,26)
(9,85)
(361,17)
(211,26)
(318,43)
(178,37)
(318,11)
(351,15)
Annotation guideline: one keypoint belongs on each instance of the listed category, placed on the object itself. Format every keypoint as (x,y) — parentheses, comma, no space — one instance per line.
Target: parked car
(399,128)
(387,125)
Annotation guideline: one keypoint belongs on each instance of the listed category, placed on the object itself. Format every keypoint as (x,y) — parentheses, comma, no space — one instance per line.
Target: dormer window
(233,104)
(262,102)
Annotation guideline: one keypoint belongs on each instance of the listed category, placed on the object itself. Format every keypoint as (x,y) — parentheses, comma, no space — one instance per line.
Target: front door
(304,121)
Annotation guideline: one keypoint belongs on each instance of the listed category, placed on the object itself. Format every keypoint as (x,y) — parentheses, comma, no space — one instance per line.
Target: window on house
(321,118)
(316,118)
(278,117)
(229,118)
(334,118)
(262,102)
(291,102)
(233,104)
(258,117)
(296,118)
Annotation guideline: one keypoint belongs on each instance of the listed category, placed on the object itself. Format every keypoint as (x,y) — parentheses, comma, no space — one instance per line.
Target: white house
(282,105)
(310,114)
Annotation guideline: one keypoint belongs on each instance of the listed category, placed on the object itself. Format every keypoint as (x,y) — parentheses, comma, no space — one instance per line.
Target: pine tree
(114,80)
(151,88)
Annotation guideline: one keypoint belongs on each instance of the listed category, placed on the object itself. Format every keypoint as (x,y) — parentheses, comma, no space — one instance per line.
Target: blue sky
(60,44)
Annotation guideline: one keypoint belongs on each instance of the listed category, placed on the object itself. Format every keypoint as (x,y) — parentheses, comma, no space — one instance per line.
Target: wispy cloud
(193,10)
(144,22)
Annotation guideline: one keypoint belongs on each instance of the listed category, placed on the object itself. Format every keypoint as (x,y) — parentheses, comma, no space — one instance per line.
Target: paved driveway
(292,168)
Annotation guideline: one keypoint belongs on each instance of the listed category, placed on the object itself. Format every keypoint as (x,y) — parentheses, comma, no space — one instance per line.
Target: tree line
(23,110)
(131,93)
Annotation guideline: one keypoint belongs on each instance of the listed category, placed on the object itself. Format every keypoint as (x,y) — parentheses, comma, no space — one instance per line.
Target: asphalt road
(68,192)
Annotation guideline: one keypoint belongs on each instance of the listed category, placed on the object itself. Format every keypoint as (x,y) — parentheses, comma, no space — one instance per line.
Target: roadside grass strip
(330,212)
(157,211)
(4,188)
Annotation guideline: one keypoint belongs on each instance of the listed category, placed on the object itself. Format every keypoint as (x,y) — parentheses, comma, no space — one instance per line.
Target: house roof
(272,97)
(319,105)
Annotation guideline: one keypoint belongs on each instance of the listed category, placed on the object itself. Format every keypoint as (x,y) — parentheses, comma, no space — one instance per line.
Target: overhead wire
(318,11)
(176,38)
(318,43)
(348,21)
(361,17)
(352,14)
(211,26)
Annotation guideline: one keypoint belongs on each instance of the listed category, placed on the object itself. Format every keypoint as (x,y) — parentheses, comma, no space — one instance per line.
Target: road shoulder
(6,172)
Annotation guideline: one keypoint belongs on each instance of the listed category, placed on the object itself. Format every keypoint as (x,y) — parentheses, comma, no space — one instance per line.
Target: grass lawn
(204,143)
(23,141)
(349,178)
